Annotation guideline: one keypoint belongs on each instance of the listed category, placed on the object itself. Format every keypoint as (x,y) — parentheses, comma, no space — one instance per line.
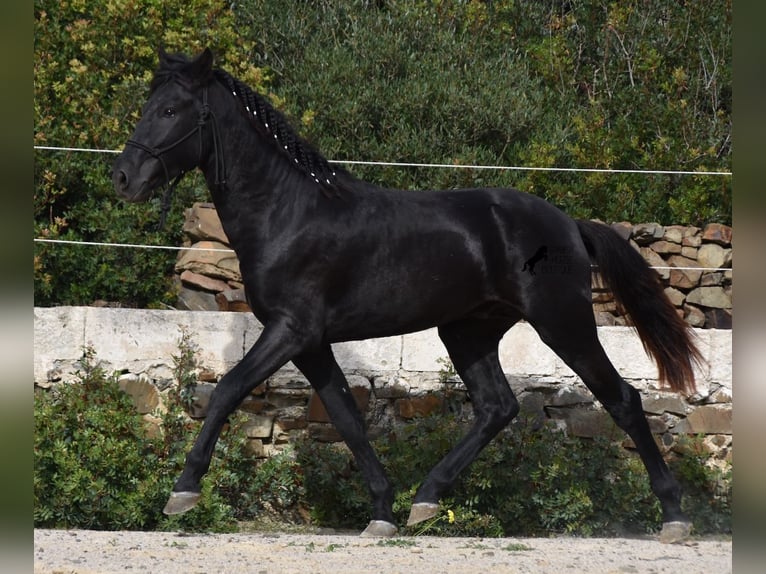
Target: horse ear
(202,66)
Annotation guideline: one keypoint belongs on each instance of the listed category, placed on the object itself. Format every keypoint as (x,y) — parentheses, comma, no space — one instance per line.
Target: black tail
(666,337)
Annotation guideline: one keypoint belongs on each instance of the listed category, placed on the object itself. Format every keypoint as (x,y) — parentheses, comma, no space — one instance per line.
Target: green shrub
(96,467)
(527,482)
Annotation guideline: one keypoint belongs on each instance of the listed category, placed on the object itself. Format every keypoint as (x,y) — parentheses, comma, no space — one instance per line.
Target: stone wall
(393,379)
(694,264)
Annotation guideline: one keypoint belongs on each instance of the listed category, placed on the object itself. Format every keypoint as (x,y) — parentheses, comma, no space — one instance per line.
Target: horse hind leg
(472,347)
(570,330)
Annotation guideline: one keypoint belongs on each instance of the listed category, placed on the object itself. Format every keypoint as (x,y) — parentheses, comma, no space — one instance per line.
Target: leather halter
(205,115)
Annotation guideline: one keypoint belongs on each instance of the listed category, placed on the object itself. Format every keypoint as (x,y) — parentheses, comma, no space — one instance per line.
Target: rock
(324,432)
(659,404)
(717,233)
(282,398)
(586,422)
(712,256)
(390,388)
(152,426)
(420,406)
(257,448)
(646,233)
(707,419)
(318,414)
(694,316)
(259,426)
(623,229)
(292,423)
(605,319)
(674,234)
(568,396)
(608,307)
(691,240)
(718,319)
(254,405)
(665,247)
(144,394)
(689,252)
(193,300)
(657,425)
(203,282)
(232,300)
(531,409)
(711,279)
(655,260)
(210,258)
(202,224)
(686,277)
(721,395)
(714,297)
(676,297)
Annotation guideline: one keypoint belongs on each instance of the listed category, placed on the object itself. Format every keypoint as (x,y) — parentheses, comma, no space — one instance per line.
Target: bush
(527,482)
(96,467)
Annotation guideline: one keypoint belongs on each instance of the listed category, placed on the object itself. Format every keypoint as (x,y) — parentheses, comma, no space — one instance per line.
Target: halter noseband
(220,167)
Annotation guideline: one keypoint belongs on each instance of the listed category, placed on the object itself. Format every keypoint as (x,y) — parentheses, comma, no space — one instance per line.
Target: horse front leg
(324,374)
(279,342)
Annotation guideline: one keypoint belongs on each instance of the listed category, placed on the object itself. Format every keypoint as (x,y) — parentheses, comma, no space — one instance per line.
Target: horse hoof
(379,529)
(421,511)
(675,532)
(180,502)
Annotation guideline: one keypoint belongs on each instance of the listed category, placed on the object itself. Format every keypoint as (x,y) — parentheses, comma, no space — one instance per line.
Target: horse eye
(169,112)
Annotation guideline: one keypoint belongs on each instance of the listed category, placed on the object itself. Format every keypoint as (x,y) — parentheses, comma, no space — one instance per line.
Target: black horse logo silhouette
(540,255)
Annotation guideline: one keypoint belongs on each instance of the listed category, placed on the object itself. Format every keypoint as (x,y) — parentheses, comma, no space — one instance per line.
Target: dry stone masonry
(393,379)
(695,265)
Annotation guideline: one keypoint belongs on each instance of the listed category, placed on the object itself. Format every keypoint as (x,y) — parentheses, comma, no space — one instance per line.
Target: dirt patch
(86,552)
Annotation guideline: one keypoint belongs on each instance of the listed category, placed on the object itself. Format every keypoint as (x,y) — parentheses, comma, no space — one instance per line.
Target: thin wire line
(171,248)
(454,166)
(132,245)
(529,168)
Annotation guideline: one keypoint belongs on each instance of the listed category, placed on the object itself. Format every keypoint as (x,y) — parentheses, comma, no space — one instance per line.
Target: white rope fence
(387,164)
(455,166)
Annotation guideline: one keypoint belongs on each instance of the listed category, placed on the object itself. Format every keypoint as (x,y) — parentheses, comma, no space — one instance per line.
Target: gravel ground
(88,552)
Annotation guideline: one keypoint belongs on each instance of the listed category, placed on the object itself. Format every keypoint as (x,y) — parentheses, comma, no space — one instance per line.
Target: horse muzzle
(131,186)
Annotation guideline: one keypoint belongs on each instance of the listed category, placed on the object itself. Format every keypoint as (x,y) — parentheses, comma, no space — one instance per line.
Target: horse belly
(386,296)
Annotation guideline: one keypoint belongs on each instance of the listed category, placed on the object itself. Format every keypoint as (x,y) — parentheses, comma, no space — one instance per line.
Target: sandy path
(82,551)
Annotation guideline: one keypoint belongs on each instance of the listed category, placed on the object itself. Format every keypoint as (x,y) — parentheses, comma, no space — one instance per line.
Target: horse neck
(259,180)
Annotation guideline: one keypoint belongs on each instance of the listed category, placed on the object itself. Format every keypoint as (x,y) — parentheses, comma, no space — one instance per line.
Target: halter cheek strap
(157,153)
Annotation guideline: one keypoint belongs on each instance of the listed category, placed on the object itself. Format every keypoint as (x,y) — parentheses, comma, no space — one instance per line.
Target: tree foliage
(571,84)
(93,62)
(598,84)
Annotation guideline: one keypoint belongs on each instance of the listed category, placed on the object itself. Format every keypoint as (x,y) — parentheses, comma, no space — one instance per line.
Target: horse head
(163,145)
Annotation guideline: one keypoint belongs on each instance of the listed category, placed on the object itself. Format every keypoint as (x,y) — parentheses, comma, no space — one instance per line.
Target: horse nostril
(120,179)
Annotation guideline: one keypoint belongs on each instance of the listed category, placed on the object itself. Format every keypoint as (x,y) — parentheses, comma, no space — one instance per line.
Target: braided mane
(273,125)
(269,122)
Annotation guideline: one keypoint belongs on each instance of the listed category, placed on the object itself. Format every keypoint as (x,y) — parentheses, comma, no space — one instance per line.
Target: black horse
(326,257)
